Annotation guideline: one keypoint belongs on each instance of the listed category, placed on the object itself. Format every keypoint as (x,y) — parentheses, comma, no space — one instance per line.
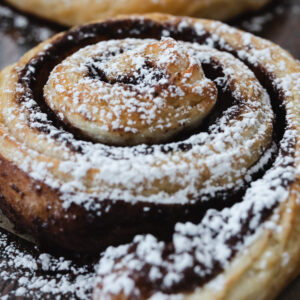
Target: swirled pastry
(74,12)
(146,95)
(181,132)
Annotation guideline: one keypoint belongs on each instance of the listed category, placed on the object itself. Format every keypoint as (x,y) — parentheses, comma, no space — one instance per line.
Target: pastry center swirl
(135,92)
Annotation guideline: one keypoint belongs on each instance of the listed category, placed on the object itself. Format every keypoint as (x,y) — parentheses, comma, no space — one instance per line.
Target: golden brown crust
(105,112)
(30,158)
(75,12)
(35,208)
(268,265)
(273,259)
(263,270)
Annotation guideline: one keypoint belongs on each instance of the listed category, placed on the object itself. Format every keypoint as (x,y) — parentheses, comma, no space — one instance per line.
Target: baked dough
(230,186)
(75,12)
(55,111)
(139,79)
(151,269)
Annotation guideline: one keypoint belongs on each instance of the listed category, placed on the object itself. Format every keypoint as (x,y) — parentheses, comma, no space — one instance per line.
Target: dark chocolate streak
(191,280)
(74,40)
(124,220)
(33,81)
(137,78)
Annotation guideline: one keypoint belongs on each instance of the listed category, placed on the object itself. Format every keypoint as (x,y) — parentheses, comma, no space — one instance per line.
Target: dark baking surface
(278,22)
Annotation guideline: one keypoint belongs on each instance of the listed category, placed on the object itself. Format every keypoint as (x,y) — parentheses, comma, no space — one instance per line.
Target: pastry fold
(177,136)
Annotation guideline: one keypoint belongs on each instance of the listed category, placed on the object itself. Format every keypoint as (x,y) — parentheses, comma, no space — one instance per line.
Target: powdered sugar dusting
(113,172)
(130,91)
(175,176)
(200,249)
(41,275)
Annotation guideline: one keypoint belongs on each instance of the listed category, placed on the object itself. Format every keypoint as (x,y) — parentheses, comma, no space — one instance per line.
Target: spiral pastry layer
(76,12)
(135,124)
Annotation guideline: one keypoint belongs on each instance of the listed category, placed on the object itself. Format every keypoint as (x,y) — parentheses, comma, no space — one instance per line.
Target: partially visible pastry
(75,12)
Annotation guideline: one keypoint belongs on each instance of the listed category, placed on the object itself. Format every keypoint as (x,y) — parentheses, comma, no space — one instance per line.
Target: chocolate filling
(33,82)
(124,220)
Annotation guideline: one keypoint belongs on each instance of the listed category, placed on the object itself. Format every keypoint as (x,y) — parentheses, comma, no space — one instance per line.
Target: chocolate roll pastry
(178,136)
(75,12)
